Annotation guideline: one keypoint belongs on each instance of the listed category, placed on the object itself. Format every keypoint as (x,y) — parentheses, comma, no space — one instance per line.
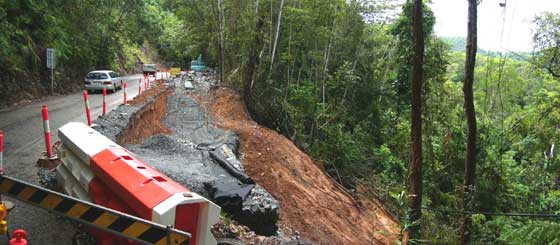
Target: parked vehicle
(149,69)
(97,80)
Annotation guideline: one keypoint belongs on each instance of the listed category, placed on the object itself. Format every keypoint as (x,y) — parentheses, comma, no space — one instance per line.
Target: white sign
(50,58)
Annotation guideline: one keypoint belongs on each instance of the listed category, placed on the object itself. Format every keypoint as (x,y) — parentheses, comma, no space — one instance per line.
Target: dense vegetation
(87,35)
(340,87)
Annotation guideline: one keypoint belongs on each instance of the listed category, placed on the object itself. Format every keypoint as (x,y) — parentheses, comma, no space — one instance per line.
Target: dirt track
(311,202)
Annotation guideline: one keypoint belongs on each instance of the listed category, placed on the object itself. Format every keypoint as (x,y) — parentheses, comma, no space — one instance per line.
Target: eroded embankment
(311,202)
(140,119)
(148,120)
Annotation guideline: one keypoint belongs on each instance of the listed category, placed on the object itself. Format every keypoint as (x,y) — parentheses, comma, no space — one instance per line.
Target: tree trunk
(253,57)
(415,165)
(289,65)
(326,57)
(222,43)
(470,158)
(276,37)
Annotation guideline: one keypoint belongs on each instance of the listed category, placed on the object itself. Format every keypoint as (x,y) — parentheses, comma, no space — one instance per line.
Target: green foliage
(340,89)
(537,232)
(87,35)
(546,41)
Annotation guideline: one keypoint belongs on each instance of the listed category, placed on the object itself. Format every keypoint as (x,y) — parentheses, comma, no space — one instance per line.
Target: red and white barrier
(86,103)
(104,101)
(1,152)
(114,177)
(139,86)
(124,92)
(47,130)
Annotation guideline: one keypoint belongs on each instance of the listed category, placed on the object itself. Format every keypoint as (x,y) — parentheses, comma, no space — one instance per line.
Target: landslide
(311,202)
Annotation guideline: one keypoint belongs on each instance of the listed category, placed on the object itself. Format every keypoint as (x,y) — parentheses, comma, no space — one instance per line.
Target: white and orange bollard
(86,104)
(104,101)
(47,130)
(124,90)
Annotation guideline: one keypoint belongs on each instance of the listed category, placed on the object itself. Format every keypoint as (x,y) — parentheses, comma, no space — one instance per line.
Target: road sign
(50,58)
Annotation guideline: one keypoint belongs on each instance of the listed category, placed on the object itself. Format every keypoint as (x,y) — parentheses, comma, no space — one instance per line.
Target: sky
(515,20)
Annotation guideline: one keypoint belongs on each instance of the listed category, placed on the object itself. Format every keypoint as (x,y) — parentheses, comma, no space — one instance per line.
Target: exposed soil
(311,202)
(149,120)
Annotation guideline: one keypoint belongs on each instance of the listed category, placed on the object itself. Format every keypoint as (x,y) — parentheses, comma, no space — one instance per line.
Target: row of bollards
(45,112)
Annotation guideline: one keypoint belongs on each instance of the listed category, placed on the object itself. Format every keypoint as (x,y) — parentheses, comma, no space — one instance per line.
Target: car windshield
(96,75)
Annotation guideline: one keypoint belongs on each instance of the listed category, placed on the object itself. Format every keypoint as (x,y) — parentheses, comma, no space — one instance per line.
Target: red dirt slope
(311,202)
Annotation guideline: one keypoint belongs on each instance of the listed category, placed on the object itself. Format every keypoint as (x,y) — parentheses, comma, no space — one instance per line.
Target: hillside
(312,203)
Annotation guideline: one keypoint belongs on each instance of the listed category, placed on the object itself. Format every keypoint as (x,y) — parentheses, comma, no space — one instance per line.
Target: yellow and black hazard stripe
(92,214)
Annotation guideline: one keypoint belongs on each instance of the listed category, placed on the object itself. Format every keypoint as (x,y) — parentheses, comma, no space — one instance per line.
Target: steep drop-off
(311,202)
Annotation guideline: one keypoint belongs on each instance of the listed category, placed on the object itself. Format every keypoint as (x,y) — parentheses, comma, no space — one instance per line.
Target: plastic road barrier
(116,178)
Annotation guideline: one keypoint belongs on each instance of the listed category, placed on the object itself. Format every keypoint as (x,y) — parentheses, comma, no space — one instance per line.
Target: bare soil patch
(311,202)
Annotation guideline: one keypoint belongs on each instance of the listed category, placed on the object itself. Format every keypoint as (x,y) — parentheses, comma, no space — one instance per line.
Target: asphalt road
(22,127)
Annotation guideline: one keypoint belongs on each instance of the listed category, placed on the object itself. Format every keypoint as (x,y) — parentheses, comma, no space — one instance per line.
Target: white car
(97,80)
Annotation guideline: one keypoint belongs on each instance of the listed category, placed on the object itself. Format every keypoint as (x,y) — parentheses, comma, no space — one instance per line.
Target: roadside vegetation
(338,85)
(87,35)
(334,76)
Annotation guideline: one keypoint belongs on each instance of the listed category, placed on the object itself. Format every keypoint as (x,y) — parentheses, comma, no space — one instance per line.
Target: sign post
(51,65)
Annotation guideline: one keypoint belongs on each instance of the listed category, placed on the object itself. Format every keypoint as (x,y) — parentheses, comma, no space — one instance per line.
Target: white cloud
(451,20)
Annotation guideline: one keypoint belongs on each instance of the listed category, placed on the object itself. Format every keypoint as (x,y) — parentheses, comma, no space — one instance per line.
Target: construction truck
(149,69)
(198,65)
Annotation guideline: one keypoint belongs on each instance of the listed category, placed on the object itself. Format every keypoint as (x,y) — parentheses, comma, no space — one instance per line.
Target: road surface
(23,144)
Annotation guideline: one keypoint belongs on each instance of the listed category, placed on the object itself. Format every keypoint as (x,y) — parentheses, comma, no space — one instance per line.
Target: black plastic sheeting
(240,175)
(229,197)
